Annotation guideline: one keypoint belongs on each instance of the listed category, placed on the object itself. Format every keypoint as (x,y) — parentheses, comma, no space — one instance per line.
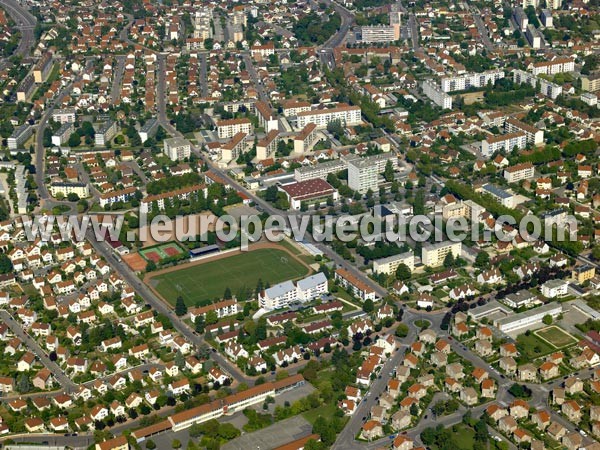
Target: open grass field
(208,280)
(532,346)
(556,337)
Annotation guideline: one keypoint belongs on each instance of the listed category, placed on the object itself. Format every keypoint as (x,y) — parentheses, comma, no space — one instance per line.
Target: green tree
(449,260)
(74,140)
(388,172)
(5,264)
(180,306)
(402,330)
(547,319)
(482,260)
(368,306)
(403,272)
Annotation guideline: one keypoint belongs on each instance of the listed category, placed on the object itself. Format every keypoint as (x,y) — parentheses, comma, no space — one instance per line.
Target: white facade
(528,318)
(347,115)
(503,143)
(554,288)
(282,294)
(177,148)
(436,94)
(390,264)
(433,255)
(468,80)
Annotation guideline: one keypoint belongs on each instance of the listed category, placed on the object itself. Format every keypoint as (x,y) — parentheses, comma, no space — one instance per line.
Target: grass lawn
(532,346)
(242,271)
(327,411)
(555,336)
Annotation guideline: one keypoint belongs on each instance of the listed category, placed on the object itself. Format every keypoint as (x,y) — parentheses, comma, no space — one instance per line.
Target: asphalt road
(25,24)
(64,380)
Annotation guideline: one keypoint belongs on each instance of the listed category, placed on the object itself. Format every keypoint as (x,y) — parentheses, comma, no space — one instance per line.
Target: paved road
(115,90)
(65,381)
(485,37)
(26,23)
(203,75)
(326,52)
(161,97)
(262,93)
(414,31)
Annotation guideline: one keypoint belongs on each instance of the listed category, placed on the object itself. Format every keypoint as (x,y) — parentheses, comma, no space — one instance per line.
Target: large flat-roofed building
(379,33)
(267,146)
(534,37)
(266,119)
(231,150)
(291,108)
(470,80)
(436,94)
(64,115)
(228,128)
(503,197)
(229,405)
(177,148)
(346,114)
(533,135)
(65,188)
(519,172)
(554,66)
(591,83)
(528,318)
(60,136)
(315,191)
(149,129)
(357,287)
(583,273)
(521,18)
(25,88)
(304,140)
(519,299)
(433,255)
(503,142)
(362,176)
(19,136)
(282,294)
(105,132)
(42,68)
(390,264)
(547,88)
(320,170)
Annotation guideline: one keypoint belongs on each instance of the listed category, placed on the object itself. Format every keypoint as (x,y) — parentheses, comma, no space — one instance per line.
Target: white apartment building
(546,87)
(469,80)
(533,135)
(500,195)
(266,119)
(554,66)
(363,173)
(362,176)
(177,148)
(228,128)
(64,115)
(518,172)
(222,309)
(320,170)
(282,294)
(60,136)
(304,140)
(346,114)
(105,132)
(81,189)
(235,147)
(555,288)
(357,287)
(436,94)
(533,37)
(390,264)
(433,255)
(503,143)
(19,136)
(267,146)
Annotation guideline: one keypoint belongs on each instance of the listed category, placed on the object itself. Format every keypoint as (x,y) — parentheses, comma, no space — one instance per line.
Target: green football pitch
(207,281)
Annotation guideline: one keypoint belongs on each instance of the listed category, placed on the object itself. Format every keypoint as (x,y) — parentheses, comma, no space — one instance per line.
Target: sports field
(206,281)
(556,337)
(158,252)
